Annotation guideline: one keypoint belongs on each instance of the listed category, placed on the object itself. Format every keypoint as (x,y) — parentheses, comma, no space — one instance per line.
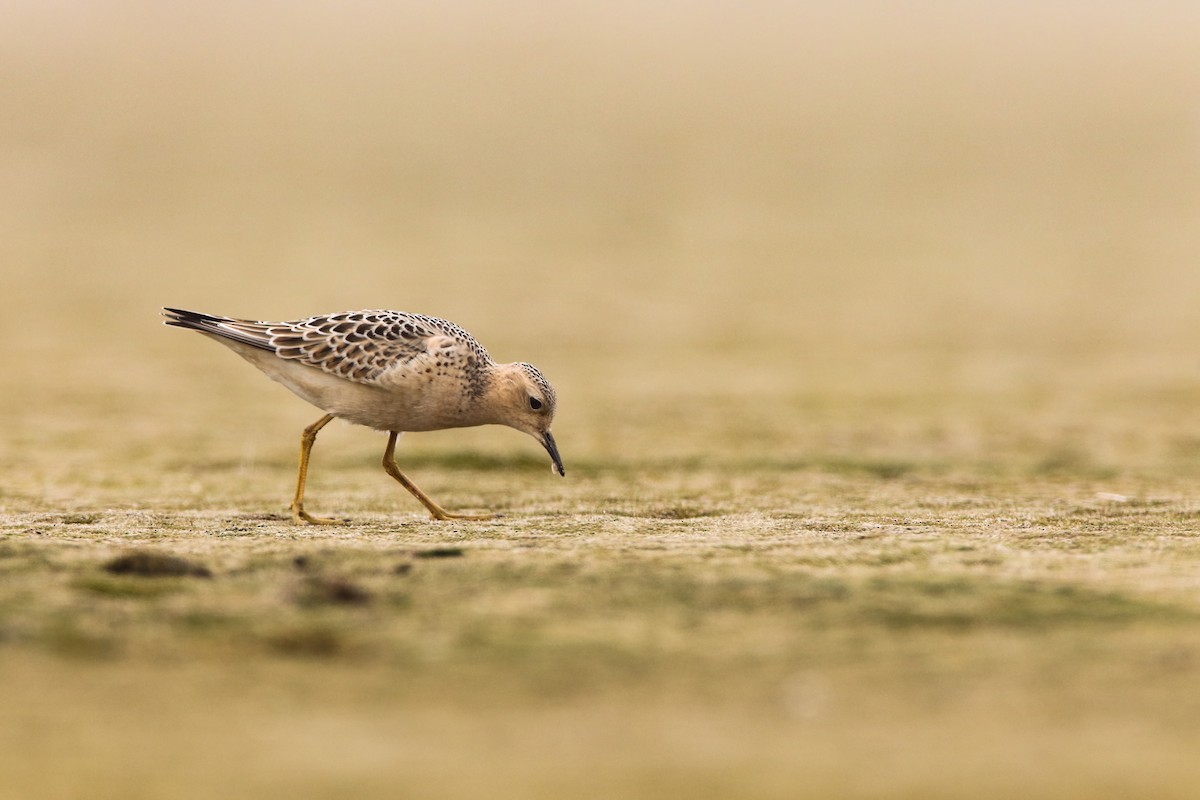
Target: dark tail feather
(191,319)
(207,323)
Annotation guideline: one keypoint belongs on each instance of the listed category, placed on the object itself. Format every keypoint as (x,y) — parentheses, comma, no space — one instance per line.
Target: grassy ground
(874,341)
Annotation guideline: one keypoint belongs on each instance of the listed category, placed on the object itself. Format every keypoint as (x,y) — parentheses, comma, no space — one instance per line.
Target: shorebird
(390,371)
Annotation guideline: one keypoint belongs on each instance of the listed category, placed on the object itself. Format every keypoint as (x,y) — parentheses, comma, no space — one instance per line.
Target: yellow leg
(389,465)
(307,439)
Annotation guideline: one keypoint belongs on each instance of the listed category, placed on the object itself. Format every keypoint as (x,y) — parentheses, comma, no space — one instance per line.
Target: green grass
(664,627)
(689,654)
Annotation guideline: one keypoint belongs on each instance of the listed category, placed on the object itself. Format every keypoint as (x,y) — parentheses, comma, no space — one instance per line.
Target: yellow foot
(300,516)
(445,515)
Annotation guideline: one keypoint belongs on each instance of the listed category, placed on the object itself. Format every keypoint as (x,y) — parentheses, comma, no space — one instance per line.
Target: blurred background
(865,317)
(696,217)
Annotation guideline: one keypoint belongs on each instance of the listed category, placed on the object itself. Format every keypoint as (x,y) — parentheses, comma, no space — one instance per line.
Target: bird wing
(359,346)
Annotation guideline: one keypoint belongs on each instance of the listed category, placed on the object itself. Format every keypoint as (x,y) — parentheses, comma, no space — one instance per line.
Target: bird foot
(445,515)
(302,517)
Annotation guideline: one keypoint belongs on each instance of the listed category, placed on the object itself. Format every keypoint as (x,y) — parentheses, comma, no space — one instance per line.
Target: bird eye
(535,404)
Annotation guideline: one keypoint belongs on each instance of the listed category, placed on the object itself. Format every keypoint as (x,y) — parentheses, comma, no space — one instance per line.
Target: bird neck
(503,388)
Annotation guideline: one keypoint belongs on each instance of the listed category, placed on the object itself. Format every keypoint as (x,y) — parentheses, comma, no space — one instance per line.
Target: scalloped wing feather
(359,346)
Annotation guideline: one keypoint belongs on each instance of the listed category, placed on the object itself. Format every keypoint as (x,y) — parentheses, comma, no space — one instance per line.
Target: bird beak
(547,441)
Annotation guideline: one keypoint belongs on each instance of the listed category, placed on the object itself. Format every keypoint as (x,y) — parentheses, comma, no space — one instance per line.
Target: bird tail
(244,331)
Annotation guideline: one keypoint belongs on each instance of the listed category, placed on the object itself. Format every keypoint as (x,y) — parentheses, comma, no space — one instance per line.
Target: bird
(388,370)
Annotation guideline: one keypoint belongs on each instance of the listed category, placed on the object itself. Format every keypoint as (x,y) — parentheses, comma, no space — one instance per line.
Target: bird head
(525,400)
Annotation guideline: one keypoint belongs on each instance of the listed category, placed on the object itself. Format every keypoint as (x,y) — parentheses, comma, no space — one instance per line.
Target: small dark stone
(301,562)
(402,569)
(440,552)
(334,590)
(149,563)
(80,519)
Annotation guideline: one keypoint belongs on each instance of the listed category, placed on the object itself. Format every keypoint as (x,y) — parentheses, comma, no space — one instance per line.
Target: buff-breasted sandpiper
(390,371)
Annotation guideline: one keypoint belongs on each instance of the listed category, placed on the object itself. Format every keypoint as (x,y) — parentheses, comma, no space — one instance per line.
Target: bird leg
(389,466)
(307,439)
